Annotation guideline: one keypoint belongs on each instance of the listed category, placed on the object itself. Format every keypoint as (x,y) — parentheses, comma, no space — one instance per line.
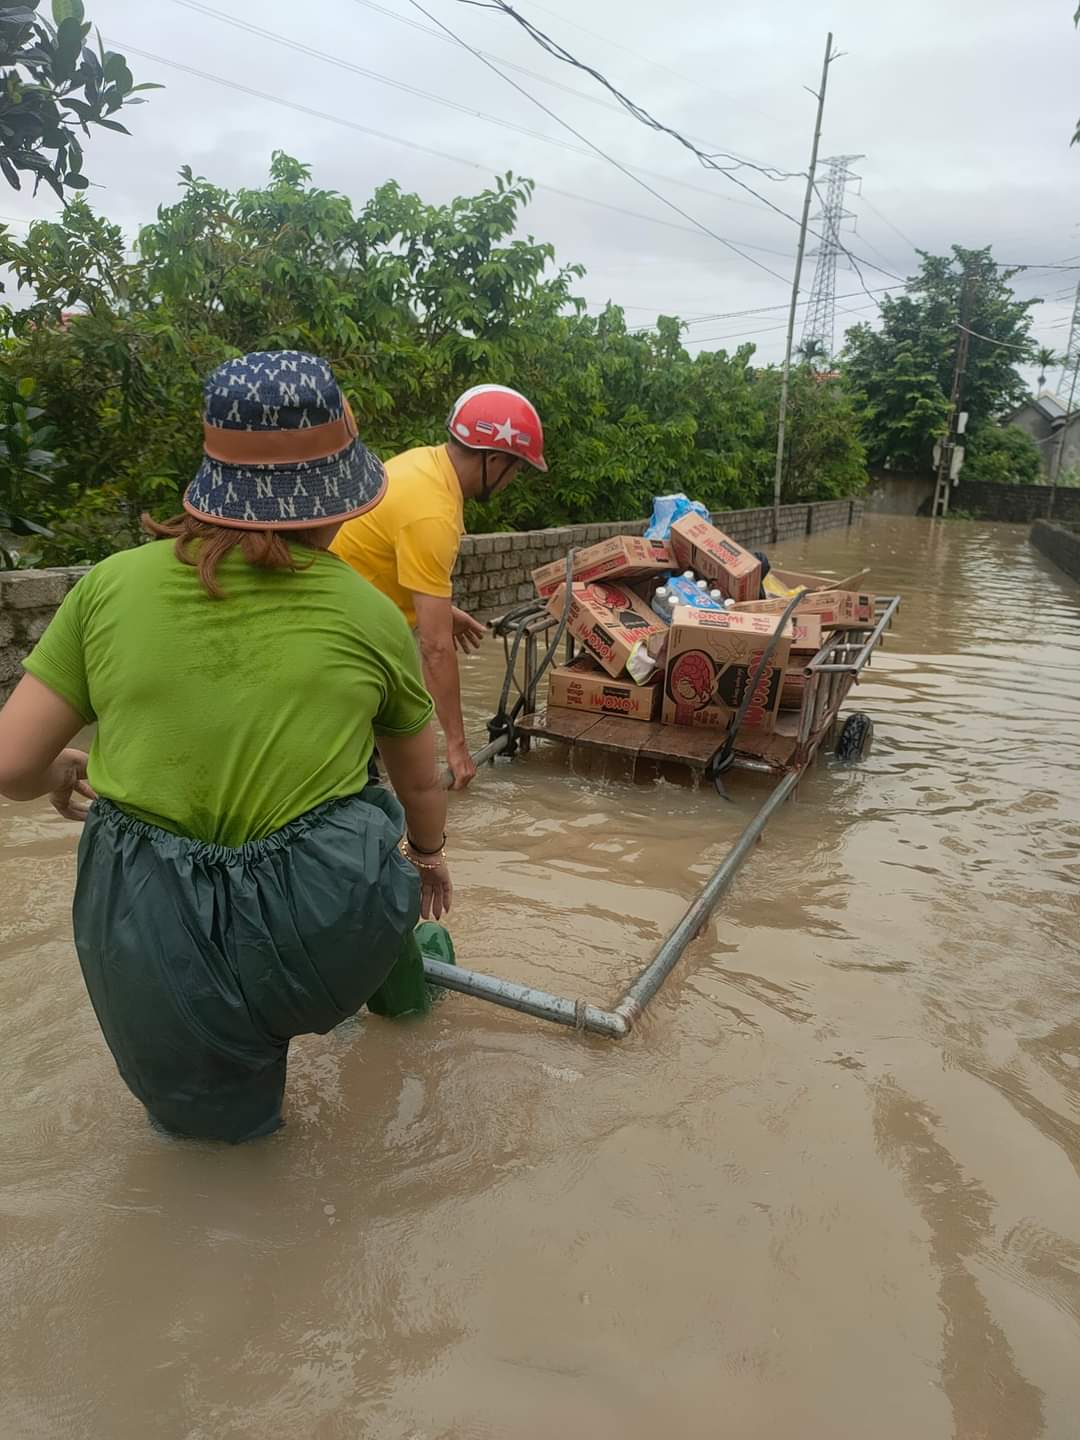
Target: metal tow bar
(615,1023)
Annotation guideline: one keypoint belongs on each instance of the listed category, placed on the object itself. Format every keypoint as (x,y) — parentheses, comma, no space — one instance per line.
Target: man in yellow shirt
(408,545)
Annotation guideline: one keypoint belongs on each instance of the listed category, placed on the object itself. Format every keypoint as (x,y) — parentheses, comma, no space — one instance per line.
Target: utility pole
(785,379)
(1070,375)
(1059,448)
(950,454)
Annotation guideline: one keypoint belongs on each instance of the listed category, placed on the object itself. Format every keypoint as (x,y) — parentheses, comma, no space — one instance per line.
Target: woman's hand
(67,780)
(436,893)
(436,887)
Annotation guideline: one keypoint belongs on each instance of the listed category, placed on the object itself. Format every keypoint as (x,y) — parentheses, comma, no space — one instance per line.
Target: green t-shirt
(225,719)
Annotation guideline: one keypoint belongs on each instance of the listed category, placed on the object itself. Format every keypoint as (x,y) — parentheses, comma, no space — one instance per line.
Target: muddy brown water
(828,1189)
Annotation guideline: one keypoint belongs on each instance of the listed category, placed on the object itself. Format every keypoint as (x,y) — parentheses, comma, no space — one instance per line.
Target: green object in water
(405,991)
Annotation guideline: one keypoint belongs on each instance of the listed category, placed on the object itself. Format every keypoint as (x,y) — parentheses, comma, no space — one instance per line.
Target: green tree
(1003,455)
(54,85)
(811,351)
(901,374)
(411,303)
(1045,359)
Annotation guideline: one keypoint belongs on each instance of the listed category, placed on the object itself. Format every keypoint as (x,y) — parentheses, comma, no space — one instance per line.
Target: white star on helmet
(506,433)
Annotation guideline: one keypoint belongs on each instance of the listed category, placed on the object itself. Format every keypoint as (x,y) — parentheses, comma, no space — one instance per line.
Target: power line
(558,51)
(763,309)
(275,37)
(354,125)
(644,59)
(582,95)
(341,63)
(886,221)
(609,158)
(299,47)
(770,172)
(1005,344)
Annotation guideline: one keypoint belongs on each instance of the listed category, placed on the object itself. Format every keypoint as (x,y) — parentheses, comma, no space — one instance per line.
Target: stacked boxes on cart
(647,656)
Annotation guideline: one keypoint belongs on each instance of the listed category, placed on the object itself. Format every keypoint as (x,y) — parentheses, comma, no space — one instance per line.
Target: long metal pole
(527,1001)
(785,378)
(1059,448)
(667,957)
(616,1024)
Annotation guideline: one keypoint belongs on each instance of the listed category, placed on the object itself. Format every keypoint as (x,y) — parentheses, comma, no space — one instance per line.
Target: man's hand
(68,780)
(468,633)
(461,765)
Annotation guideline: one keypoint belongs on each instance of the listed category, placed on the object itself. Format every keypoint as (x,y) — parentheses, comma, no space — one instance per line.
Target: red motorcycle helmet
(498,419)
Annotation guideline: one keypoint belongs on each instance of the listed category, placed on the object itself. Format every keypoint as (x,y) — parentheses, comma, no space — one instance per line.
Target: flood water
(828,1189)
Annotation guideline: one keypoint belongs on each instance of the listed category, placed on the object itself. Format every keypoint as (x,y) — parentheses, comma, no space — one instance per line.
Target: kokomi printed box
(711,660)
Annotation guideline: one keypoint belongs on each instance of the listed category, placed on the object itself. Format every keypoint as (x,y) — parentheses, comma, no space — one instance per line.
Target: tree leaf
(67,10)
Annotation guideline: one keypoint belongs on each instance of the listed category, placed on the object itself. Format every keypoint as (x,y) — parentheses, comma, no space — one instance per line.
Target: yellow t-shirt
(408,545)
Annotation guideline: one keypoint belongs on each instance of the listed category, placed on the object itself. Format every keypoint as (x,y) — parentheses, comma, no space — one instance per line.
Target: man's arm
(435,626)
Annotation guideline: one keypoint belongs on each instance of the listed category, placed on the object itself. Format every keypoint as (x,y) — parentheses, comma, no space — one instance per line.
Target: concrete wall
(28,601)
(1045,435)
(893,492)
(493,571)
(1018,503)
(1060,544)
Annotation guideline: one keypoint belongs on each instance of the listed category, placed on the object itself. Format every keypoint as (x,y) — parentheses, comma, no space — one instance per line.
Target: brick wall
(493,571)
(1018,503)
(1060,544)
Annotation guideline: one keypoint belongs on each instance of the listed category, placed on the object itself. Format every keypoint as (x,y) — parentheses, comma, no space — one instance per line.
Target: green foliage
(411,303)
(53,85)
(1003,455)
(901,375)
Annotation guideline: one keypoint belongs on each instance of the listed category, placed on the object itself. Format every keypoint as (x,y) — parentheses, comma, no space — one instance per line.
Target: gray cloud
(963,113)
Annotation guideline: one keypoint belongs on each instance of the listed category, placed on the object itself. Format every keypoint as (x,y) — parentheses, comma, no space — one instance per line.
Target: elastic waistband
(108,813)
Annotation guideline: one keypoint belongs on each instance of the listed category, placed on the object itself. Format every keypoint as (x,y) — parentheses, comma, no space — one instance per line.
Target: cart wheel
(856,739)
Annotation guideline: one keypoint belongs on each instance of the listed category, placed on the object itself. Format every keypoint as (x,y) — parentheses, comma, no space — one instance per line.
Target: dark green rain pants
(203,962)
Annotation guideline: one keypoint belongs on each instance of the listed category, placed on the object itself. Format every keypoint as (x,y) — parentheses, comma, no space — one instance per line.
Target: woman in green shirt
(240,881)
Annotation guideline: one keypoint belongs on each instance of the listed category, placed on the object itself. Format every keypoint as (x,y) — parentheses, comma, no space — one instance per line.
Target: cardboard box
(582,685)
(711,659)
(794,578)
(609,620)
(794,690)
(624,557)
(699,546)
(838,609)
(808,633)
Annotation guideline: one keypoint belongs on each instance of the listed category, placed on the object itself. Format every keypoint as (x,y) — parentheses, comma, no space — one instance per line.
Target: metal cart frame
(830,676)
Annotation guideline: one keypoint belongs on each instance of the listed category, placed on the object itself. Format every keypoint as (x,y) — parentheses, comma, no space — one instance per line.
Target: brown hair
(204,545)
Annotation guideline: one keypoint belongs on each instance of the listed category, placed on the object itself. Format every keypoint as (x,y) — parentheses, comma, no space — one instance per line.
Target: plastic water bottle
(661,604)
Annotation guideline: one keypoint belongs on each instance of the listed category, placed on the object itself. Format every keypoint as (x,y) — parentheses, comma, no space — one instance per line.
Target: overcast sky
(963,112)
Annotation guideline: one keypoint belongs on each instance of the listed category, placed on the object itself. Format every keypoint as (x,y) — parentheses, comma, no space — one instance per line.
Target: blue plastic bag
(669,508)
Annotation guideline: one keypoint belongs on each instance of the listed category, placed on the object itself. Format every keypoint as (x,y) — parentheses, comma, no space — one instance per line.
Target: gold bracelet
(421,864)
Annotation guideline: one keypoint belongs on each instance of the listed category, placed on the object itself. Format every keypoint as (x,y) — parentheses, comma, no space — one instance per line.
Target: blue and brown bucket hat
(281,447)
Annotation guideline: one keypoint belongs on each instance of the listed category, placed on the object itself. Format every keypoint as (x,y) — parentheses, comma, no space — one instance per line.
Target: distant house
(1042,417)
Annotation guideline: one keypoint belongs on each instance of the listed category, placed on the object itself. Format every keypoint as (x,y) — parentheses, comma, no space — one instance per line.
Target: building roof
(1046,404)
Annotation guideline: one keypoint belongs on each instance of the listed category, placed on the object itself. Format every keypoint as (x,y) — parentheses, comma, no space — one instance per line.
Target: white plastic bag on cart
(669,508)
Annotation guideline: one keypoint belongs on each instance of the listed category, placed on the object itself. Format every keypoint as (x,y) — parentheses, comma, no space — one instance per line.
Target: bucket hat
(281,447)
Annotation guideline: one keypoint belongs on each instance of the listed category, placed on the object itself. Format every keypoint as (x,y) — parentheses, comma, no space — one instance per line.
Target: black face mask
(488,487)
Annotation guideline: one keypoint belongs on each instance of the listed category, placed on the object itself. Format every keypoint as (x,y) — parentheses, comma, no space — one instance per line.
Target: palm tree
(812,350)
(1045,359)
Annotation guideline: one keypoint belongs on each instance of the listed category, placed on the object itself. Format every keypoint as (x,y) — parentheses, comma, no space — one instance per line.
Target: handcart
(532,637)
